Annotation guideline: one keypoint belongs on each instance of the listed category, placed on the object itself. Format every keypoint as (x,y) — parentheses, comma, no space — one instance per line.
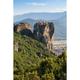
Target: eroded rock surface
(44,31)
(24,29)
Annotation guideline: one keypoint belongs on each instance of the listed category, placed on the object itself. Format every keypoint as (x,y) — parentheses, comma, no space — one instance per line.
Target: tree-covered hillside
(33,61)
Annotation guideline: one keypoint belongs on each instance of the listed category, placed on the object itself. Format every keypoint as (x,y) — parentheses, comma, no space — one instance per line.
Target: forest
(33,62)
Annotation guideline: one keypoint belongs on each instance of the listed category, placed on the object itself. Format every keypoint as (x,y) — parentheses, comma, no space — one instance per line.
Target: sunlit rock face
(43,31)
(24,29)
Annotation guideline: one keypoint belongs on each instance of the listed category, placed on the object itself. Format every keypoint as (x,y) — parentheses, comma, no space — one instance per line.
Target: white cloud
(32,9)
(36,4)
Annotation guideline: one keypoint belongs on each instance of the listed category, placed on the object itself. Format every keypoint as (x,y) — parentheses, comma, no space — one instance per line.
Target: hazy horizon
(39,12)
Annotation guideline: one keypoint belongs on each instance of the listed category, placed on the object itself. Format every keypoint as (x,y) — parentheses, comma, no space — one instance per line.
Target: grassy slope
(27,61)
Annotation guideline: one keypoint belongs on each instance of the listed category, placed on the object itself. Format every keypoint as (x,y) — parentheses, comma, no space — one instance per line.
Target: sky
(29,6)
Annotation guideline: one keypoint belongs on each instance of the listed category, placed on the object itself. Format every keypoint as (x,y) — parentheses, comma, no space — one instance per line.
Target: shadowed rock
(43,31)
(24,29)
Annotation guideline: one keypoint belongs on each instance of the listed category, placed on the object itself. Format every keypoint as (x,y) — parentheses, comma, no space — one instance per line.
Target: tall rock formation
(43,31)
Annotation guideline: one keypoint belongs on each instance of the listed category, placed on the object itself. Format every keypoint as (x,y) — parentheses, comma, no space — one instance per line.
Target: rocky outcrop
(23,28)
(43,31)
(16,46)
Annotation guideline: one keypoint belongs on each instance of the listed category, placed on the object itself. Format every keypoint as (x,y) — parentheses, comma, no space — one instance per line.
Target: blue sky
(27,6)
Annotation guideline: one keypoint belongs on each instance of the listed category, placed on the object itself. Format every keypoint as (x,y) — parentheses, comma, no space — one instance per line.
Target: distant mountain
(60,28)
(39,16)
(59,20)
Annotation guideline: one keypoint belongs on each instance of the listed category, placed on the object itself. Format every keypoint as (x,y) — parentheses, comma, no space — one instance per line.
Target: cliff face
(43,31)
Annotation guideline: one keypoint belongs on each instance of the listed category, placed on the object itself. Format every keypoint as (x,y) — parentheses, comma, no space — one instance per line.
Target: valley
(32,60)
(59,46)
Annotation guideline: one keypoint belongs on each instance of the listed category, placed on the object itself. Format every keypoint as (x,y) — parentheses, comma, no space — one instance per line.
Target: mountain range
(58,18)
